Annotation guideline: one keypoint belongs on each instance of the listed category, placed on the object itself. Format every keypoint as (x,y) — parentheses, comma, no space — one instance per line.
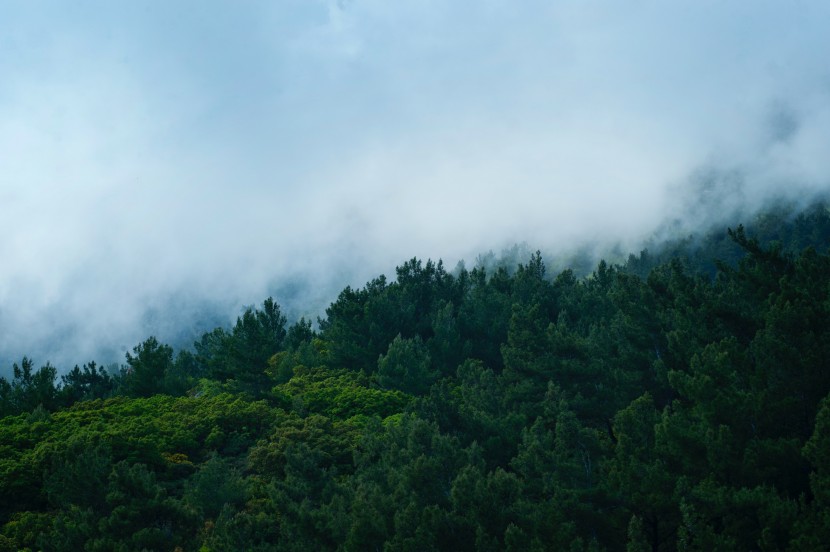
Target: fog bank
(164,164)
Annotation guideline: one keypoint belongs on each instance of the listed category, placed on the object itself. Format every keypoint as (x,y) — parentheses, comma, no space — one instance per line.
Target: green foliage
(330,440)
(283,365)
(141,515)
(341,394)
(28,389)
(674,403)
(77,475)
(299,333)
(242,354)
(87,383)
(146,370)
(814,525)
(406,366)
(214,486)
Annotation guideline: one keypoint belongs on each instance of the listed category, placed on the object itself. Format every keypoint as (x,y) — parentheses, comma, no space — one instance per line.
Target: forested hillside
(676,402)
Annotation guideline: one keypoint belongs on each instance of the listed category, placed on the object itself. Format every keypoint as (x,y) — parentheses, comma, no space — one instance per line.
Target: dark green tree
(89,382)
(406,366)
(299,333)
(146,368)
(243,354)
(29,389)
(214,486)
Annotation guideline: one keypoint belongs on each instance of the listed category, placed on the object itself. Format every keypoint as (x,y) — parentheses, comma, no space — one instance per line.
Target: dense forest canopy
(676,401)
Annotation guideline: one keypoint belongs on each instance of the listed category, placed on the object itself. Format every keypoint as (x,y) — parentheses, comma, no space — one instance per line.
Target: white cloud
(157,152)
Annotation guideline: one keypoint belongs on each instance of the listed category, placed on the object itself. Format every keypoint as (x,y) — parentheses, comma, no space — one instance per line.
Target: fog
(164,164)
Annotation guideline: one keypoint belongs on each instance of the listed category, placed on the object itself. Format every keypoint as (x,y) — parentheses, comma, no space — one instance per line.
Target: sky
(165,163)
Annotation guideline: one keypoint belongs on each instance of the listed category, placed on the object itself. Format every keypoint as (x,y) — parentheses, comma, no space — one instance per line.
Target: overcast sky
(155,154)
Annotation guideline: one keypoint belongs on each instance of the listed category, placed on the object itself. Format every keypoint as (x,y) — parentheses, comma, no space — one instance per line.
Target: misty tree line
(677,401)
(153,368)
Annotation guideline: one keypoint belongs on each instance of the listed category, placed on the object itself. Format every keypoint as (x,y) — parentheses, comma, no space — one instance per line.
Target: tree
(146,370)
(90,382)
(484,316)
(406,366)
(299,333)
(257,335)
(638,476)
(446,347)
(213,486)
(28,389)
(141,516)
(813,529)
(346,329)
(78,476)
(211,354)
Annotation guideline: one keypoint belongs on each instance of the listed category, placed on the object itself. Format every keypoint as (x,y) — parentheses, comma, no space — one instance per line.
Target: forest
(678,400)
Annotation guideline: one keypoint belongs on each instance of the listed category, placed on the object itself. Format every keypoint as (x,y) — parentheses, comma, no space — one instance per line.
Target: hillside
(678,401)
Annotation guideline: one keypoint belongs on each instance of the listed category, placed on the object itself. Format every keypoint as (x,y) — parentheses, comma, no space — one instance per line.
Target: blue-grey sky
(157,153)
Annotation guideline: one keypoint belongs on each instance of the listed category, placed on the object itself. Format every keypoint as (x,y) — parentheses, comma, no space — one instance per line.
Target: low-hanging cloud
(163,164)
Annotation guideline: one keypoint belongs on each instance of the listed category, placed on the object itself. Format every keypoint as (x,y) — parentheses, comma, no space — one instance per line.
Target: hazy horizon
(167,163)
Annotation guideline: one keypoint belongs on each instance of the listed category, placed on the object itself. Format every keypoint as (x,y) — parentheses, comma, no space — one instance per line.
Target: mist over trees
(678,399)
